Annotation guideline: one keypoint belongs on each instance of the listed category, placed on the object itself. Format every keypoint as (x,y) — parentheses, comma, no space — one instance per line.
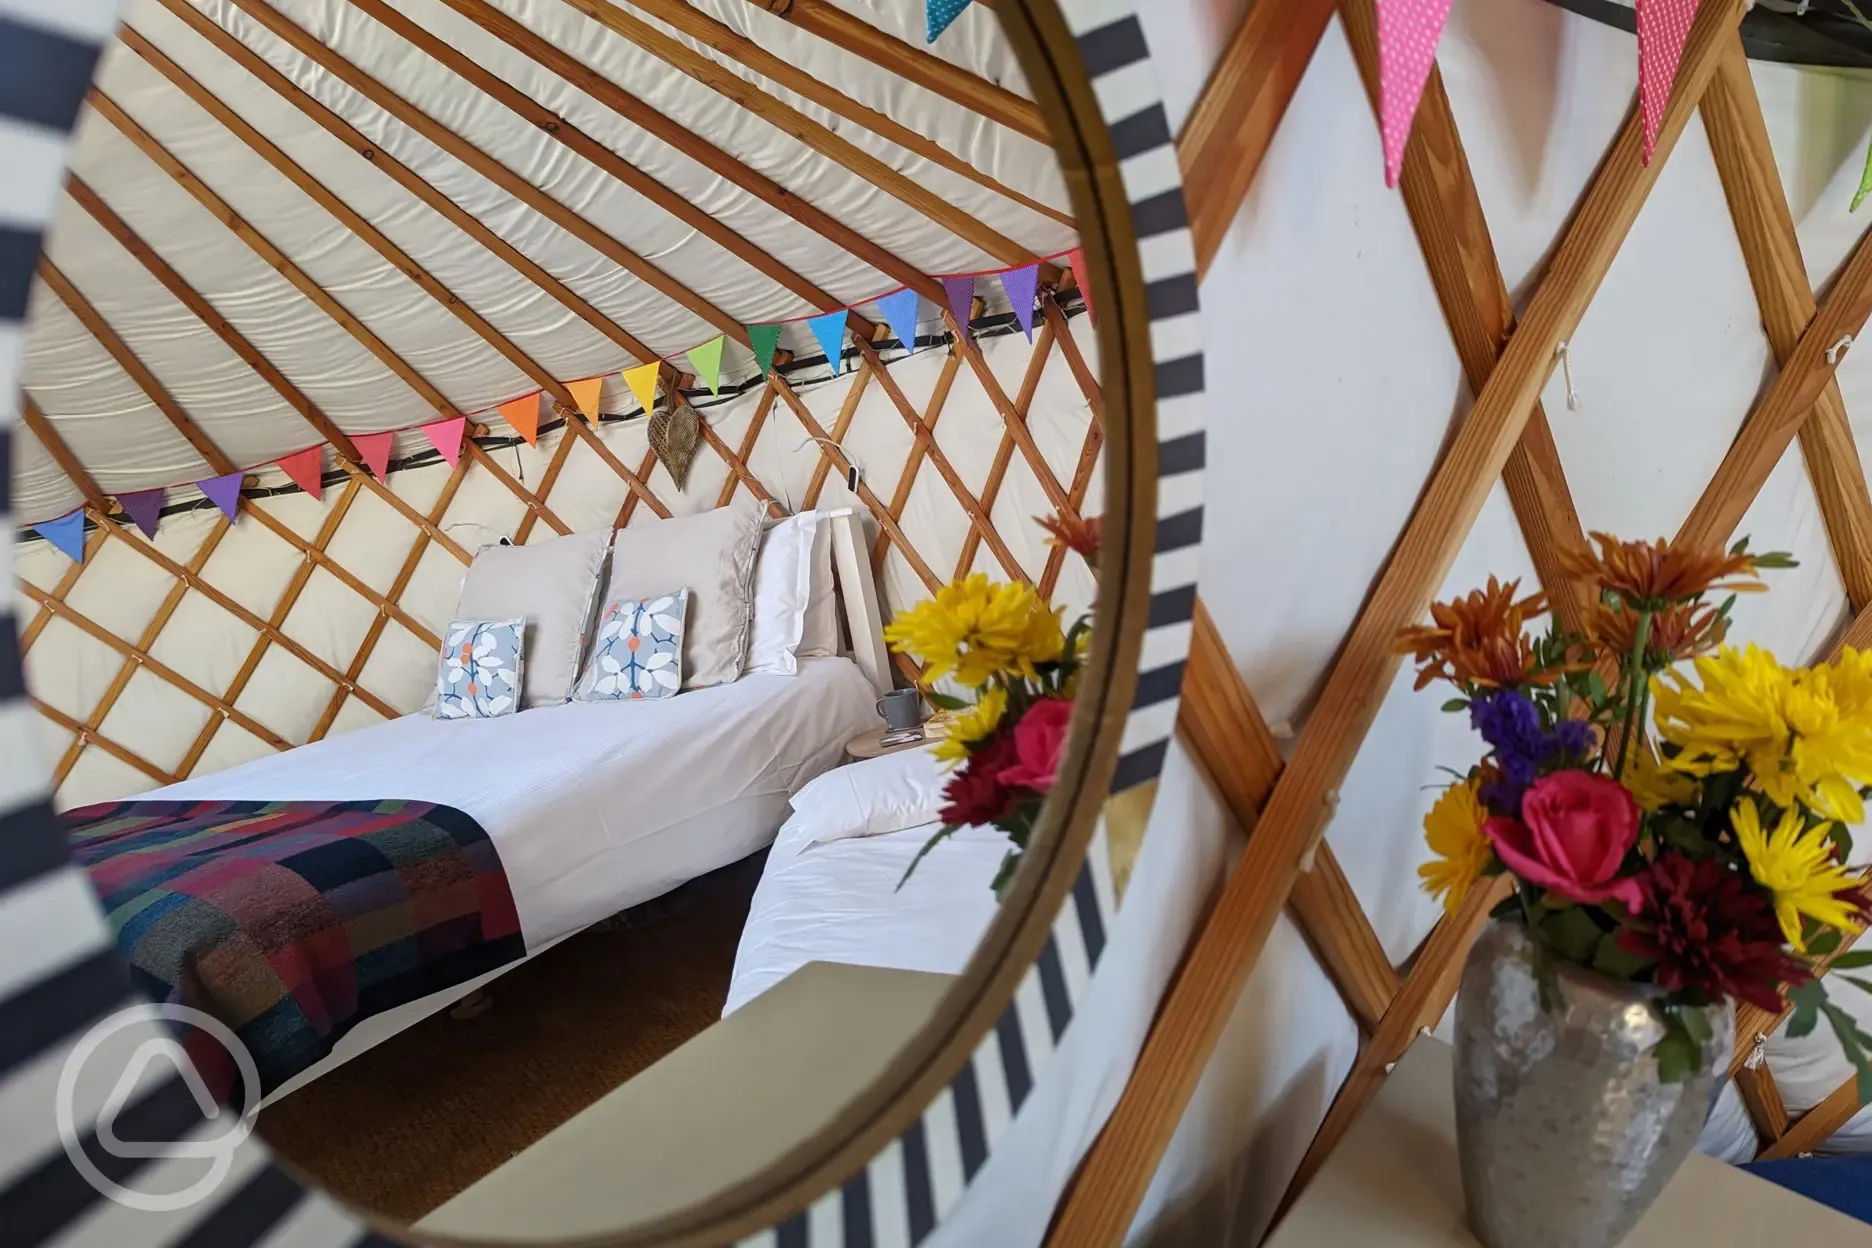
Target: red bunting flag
(1077,260)
(303,468)
(1408,31)
(522,415)
(446,437)
(375,448)
(1663,26)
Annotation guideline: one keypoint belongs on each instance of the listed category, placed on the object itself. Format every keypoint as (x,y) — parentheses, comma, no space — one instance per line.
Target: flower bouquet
(1674,840)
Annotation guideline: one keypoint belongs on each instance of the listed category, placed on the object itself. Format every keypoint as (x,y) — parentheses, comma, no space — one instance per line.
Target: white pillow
(782,592)
(872,797)
(820,637)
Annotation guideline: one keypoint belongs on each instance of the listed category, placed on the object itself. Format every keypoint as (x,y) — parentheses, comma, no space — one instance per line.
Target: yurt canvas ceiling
(290,225)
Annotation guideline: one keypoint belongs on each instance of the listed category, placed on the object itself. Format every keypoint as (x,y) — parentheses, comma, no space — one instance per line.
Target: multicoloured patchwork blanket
(293,921)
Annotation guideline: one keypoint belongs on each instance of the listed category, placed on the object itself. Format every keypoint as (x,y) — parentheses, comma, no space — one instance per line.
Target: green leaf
(1456,704)
(1010,865)
(946,702)
(1807,1000)
(1572,934)
(1678,1056)
(1611,959)
(1826,942)
(1507,908)
(1862,985)
(1595,687)
(1696,1024)
(942,834)
(1856,960)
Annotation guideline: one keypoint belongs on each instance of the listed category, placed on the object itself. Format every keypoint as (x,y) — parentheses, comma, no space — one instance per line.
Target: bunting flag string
(305,469)
(66,533)
(706,360)
(900,313)
(642,381)
(830,331)
(446,437)
(1408,31)
(1076,259)
(961,292)
(375,448)
(224,492)
(1023,287)
(938,16)
(522,416)
(144,507)
(1663,28)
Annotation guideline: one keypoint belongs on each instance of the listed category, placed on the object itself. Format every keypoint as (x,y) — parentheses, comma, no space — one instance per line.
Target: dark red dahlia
(974,793)
(1711,931)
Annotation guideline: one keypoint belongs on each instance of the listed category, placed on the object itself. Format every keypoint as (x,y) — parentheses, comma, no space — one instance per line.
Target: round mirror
(602,595)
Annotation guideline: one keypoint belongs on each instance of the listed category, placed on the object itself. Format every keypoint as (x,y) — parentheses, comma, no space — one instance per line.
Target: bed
(838,901)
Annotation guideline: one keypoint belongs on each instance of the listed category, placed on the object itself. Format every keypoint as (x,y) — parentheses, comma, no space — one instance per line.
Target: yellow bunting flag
(642,381)
(523,415)
(585,394)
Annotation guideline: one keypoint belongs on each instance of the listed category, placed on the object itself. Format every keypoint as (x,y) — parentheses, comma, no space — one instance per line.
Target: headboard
(858,597)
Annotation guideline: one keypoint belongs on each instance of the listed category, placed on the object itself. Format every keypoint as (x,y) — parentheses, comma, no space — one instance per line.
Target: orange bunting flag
(375,448)
(522,415)
(585,394)
(446,437)
(303,468)
(642,381)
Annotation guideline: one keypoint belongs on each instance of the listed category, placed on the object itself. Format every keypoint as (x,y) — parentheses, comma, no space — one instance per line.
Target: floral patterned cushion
(479,674)
(638,650)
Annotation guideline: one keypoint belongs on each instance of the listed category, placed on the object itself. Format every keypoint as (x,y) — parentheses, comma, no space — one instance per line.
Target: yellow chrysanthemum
(972,725)
(1453,830)
(1805,735)
(979,630)
(1796,864)
(1653,785)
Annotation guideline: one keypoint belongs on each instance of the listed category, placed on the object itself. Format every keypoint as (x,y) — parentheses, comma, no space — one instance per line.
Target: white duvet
(593,807)
(838,901)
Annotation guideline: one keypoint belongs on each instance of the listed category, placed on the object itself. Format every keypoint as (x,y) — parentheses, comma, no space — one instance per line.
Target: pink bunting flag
(305,469)
(1408,31)
(1663,27)
(1021,286)
(224,492)
(961,292)
(446,437)
(375,448)
(1077,260)
(144,507)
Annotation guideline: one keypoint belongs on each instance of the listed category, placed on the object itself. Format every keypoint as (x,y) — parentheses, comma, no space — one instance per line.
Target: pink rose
(1574,832)
(1038,739)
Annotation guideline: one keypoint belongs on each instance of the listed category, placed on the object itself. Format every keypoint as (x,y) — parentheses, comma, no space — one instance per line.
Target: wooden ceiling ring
(146,640)
(86,737)
(374,631)
(1738,138)
(711,157)
(791,122)
(407,178)
(1195,1008)
(1004,447)
(732,43)
(913,459)
(301,577)
(906,60)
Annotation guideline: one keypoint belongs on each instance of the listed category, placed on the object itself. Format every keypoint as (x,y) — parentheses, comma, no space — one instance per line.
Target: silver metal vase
(1565,1132)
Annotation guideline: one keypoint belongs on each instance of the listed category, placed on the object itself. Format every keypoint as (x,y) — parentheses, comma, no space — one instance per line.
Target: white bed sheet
(594,807)
(838,902)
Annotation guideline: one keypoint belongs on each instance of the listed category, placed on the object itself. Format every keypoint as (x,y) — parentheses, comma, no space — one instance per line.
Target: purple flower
(1510,722)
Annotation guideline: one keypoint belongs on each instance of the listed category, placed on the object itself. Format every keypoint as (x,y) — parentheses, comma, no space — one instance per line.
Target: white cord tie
(1838,349)
(1758,1055)
(1565,352)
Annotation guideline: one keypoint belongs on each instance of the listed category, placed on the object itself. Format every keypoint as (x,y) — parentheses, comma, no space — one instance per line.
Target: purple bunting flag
(830,331)
(961,292)
(1022,285)
(224,492)
(144,507)
(66,533)
(900,313)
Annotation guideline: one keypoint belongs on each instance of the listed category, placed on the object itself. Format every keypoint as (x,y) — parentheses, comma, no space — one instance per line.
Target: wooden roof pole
(402,175)
(906,60)
(783,116)
(369,234)
(730,42)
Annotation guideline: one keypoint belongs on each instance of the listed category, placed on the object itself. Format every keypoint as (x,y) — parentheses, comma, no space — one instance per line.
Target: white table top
(1394,1182)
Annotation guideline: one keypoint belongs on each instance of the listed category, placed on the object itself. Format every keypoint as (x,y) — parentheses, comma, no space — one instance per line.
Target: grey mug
(901,709)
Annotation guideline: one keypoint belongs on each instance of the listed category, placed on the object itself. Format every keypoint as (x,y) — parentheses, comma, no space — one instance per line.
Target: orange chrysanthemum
(1478,639)
(1072,533)
(1649,576)
(1677,632)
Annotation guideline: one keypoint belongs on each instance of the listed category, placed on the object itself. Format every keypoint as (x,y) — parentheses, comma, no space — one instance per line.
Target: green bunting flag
(706,360)
(764,339)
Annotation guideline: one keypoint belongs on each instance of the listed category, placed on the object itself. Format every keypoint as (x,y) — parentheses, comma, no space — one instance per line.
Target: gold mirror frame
(1115,150)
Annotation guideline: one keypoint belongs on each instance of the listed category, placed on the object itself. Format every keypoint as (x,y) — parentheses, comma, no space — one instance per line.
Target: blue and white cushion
(638,650)
(479,674)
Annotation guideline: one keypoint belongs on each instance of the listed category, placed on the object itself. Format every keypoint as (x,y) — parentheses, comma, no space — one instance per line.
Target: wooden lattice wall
(1287,804)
